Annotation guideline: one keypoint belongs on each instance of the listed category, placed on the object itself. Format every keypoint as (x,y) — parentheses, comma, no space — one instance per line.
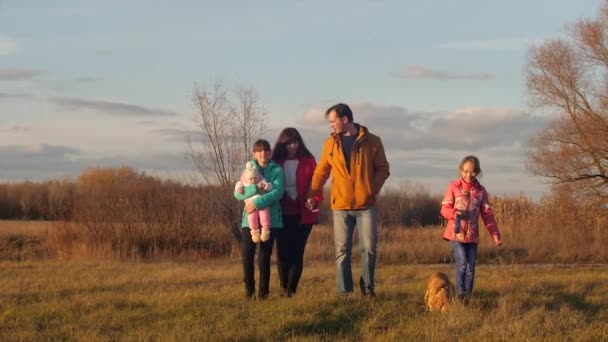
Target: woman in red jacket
(298,164)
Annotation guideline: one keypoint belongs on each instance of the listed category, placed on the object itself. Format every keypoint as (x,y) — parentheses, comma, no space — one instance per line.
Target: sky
(107,83)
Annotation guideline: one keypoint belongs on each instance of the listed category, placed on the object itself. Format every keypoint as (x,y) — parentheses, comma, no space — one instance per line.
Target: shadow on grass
(340,318)
(33,297)
(343,317)
(563,295)
(487,300)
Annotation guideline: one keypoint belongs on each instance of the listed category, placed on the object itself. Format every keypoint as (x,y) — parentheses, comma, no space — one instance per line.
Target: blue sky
(90,83)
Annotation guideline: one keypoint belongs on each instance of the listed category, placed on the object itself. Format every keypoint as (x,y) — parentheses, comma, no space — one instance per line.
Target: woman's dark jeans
(248,248)
(291,242)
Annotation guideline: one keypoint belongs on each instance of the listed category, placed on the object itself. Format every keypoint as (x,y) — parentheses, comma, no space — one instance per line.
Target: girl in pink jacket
(464,201)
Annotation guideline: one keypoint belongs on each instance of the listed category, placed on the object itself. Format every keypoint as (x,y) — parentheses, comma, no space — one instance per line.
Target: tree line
(104,194)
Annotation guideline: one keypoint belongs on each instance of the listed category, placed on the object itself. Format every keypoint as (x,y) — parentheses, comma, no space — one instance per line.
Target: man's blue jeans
(345,221)
(464,266)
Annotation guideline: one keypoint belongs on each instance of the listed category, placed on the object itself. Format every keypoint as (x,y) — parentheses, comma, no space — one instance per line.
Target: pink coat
(473,199)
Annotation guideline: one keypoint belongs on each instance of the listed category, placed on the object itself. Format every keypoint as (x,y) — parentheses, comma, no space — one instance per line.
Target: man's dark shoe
(369,292)
(366,290)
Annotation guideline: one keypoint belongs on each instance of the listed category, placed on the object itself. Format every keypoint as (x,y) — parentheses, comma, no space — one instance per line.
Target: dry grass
(204,302)
(523,243)
(26,228)
(120,214)
(24,240)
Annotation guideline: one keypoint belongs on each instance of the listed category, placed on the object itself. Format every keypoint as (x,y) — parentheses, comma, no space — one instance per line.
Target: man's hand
(311,204)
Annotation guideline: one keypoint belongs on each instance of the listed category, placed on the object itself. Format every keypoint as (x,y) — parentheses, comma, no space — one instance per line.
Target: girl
(465,200)
(298,164)
(274,175)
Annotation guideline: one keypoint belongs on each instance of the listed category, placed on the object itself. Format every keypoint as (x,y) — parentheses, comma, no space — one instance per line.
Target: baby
(252,175)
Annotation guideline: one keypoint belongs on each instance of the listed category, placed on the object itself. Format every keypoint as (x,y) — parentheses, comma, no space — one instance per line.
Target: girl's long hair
(288,135)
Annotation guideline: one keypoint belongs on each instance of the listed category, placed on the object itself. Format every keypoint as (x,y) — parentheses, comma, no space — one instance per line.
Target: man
(356,160)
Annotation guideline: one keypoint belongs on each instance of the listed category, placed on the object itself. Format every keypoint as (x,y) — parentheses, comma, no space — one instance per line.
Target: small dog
(439,292)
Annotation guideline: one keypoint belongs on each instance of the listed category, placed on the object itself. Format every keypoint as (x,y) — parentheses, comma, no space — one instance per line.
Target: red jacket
(473,199)
(306,167)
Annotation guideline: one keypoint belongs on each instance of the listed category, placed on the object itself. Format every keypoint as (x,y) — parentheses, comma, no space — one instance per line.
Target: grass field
(43,300)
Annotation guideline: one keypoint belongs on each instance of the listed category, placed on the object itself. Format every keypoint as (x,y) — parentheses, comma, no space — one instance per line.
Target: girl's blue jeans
(464,266)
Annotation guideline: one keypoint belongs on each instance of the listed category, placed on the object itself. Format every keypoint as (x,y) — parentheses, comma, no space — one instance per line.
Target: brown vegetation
(125,215)
(568,76)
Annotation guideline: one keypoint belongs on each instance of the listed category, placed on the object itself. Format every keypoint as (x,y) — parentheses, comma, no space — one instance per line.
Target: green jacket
(274,175)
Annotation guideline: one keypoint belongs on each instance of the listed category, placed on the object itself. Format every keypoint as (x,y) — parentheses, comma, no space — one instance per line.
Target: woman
(273,174)
(298,165)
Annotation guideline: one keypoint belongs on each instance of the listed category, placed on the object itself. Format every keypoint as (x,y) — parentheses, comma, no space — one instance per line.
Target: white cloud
(109,107)
(427,147)
(422,148)
(313,116)
(44,161)
(17,74)
(420,72)
(16,129)
(179,135)
(14,95)
(7,46)
(490,44)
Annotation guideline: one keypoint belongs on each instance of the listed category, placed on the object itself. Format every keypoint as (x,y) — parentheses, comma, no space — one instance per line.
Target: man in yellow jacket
(356,160)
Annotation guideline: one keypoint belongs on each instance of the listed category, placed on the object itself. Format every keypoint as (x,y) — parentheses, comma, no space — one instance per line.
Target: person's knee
(342,252)
(368,251)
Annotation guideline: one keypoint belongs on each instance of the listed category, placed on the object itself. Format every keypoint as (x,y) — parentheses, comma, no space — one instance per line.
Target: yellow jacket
(369,170)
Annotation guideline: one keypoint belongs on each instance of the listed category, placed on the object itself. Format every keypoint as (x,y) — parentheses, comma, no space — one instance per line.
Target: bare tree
(229,122)
(571,76)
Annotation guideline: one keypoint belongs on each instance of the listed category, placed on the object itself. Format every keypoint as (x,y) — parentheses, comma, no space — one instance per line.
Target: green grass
(205,302)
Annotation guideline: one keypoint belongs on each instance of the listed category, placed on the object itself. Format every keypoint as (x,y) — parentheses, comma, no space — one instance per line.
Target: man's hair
(341,110)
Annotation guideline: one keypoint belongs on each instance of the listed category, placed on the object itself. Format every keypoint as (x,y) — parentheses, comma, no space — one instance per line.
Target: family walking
(282,189)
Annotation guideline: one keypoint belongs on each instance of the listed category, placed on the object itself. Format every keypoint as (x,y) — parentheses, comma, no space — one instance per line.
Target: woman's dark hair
(289,135)
(341,110)
(474,160)
(261,145)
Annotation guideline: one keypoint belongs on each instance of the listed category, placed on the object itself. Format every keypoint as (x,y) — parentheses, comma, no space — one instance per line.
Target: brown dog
(439,292)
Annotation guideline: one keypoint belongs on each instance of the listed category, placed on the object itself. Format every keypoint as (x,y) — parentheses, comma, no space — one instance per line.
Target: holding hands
(311,204)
